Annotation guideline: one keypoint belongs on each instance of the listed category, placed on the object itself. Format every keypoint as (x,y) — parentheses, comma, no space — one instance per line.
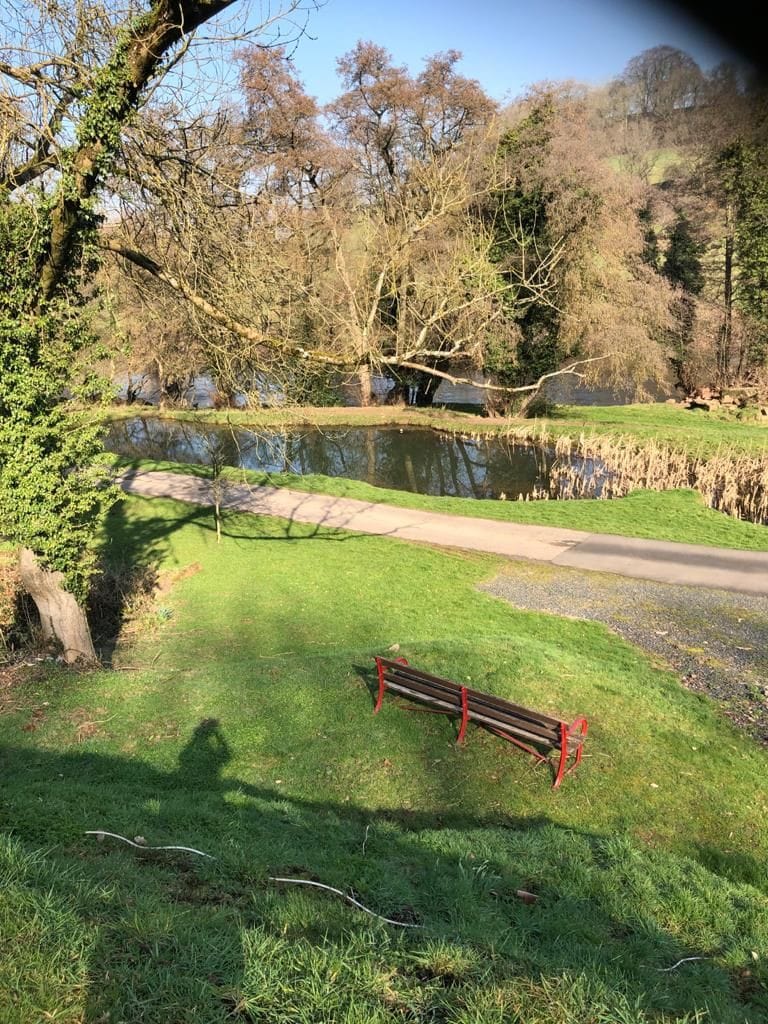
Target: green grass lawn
(239,723)
(696,432)
(679,515)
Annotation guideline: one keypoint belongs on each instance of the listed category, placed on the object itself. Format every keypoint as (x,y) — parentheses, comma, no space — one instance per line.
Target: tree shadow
(134,546)
(243,499)
(130,551)
(177,938)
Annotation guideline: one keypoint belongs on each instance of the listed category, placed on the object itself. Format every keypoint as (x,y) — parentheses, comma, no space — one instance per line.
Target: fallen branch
(344,896)
(141,846)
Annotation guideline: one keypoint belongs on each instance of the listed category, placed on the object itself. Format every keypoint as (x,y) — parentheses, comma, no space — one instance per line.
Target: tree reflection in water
(422,461)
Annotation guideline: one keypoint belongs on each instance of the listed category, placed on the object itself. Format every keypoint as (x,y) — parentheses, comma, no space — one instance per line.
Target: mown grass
(695,432)
(240,724)
(677,515)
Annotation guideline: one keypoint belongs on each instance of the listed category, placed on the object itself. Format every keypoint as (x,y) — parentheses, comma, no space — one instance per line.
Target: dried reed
(604,466)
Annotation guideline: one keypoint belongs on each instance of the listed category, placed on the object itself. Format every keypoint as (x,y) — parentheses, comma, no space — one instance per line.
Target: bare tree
(71,80)
(358,249)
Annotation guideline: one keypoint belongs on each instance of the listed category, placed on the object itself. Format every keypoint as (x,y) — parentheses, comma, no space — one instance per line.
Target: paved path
(690,564)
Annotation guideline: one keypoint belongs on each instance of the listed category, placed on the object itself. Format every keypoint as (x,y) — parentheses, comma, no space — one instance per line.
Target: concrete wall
(458,394)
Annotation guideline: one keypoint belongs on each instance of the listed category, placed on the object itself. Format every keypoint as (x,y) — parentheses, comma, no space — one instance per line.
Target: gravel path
(716,640)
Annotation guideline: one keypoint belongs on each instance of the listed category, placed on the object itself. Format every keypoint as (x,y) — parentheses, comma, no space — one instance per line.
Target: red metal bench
(525,728)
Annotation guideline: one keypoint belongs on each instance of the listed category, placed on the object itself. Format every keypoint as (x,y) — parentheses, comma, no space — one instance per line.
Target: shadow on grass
(238,500)
(133,547)
(171,937)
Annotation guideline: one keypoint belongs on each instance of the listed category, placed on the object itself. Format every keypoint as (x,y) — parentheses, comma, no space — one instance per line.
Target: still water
(422,461)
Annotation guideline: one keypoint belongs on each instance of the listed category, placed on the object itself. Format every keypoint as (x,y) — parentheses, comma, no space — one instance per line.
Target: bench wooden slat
(542,724)
(502,719)
(502,704)
(488,698)
(510,721)
(475,716)
(451,690)
(511,713)
(454,699)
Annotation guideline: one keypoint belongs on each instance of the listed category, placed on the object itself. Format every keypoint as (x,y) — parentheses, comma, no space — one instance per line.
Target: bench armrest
(382,680)
(579,724)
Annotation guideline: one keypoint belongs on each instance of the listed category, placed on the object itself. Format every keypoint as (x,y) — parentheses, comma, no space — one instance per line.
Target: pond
(406,459)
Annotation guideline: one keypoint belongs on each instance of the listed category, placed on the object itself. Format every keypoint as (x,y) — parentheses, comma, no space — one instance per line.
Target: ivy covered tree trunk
(54,487)
(61,617)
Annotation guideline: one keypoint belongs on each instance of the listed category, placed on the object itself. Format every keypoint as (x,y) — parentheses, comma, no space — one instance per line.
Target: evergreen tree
(682,264)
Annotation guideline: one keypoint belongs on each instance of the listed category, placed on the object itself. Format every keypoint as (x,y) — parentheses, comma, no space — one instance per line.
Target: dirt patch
(87,722)
(10,676)
(168,580)
(36,719)
(13,680)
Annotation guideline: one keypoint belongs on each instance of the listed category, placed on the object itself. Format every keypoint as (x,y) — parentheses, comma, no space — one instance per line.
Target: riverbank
(694,432)
(657,468)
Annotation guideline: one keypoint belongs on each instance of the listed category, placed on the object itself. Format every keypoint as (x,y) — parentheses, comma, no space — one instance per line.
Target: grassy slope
(242,725)
(698,433)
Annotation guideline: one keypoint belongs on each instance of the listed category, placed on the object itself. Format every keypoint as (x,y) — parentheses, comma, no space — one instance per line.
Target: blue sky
(507,44)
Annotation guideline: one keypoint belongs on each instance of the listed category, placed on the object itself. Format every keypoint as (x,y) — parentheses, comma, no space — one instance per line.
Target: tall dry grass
(601,466)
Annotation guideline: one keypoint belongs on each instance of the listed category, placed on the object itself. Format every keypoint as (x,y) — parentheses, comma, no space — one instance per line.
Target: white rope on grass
(344,896)
(100,834)
(685,960)
(142,846)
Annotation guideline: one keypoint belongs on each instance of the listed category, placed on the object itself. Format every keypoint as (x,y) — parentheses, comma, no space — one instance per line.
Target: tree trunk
(61,617)
(724,354)
(361,386)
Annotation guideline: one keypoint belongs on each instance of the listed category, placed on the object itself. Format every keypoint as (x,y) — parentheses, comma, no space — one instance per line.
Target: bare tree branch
(484,386)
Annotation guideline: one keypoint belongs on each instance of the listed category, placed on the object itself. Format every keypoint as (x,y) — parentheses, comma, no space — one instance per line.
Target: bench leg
(563,755)
(566,731)
(518,743)
(440,711)
(383,682)
(464,715)
(382,686)
(581,725)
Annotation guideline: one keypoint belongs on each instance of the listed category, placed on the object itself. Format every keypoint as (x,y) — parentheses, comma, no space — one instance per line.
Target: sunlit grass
(240,724)
(696,432)
(676,515)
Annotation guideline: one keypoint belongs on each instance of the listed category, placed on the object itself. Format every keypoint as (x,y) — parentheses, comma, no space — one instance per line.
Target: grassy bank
(310,416)
(678,515)
(698,433)
(695,432)
(239,723)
